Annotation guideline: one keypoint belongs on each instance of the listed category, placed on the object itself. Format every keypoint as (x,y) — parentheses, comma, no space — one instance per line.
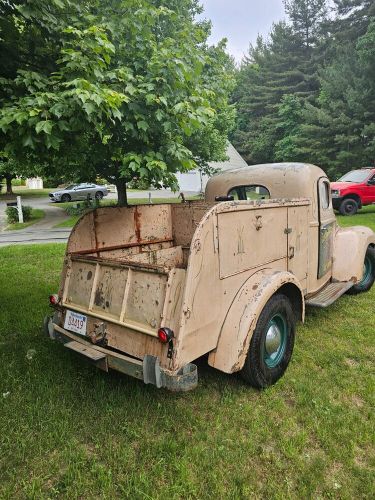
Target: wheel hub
(275,341)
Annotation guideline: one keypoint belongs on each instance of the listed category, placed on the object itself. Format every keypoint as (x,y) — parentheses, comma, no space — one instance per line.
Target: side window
(253,192)
(257,193)
(324,193)
(235,193)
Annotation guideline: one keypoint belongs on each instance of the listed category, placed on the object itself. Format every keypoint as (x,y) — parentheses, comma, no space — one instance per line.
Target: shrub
(12,214)
(18,182)
(136,183)
(82,208)
(52,182)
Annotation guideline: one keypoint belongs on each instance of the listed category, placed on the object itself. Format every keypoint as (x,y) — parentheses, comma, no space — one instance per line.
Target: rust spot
(255,287)
(137,224)
(99,297)
(95,216)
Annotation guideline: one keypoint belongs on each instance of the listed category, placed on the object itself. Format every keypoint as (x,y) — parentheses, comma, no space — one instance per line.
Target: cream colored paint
(205,269)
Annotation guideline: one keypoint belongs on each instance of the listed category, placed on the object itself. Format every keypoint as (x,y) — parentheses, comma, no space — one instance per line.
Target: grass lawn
(69,430)
(364,217)
(24,191)
(36,215)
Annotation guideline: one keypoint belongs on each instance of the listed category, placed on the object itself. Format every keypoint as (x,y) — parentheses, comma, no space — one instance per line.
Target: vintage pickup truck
(148,289)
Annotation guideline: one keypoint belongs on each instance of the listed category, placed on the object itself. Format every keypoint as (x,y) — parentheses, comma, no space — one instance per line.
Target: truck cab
(148,289)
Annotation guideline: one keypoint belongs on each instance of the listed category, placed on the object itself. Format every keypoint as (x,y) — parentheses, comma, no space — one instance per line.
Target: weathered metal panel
(298,242)
(350,246)
(146,298)
(250,238)
(116,227)
(325,248)
(185,220)
(109,292)
(80,281)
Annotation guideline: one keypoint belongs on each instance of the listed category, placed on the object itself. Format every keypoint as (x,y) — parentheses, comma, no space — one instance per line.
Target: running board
(329,294)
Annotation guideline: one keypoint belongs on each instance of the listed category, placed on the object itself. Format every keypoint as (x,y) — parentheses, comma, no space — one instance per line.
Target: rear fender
(240,322)
(350,246)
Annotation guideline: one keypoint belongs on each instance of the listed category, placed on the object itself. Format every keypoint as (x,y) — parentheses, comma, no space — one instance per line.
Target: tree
(338,130)
(282,66)
(134,83)
(306,17)
(289,128)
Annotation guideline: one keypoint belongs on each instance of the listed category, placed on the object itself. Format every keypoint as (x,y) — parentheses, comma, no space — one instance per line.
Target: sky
(240,21)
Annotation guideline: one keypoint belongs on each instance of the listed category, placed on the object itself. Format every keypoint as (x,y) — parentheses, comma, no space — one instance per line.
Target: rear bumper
(148,369)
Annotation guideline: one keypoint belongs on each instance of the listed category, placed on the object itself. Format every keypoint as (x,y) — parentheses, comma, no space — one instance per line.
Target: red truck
(353,191)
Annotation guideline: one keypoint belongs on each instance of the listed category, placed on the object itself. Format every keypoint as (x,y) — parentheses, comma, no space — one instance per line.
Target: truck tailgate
(130,295)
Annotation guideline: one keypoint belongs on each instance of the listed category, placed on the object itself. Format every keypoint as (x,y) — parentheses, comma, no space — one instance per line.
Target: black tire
(66,197)
(349,206)
(368,274)
(99,195)
(259,369)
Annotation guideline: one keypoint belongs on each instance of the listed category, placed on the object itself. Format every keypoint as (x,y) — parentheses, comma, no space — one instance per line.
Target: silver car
(79,192)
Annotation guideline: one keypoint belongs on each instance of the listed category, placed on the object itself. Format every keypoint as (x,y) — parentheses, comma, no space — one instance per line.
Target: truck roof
(283,180)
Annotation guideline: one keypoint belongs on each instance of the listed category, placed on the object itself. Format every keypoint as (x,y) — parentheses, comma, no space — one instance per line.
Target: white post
(19,208)
(149,198)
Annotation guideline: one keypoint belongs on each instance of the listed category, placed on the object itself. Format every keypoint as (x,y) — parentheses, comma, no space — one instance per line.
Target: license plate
(75,322)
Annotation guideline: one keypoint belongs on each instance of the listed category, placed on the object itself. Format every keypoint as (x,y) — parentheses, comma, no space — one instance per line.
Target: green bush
(12,214)
(136,183)
(52,181)
(18,182)
(101,181)
(82,207)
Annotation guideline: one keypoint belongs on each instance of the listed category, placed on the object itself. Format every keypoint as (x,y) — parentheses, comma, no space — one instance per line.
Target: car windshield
(355,176)
(71,186)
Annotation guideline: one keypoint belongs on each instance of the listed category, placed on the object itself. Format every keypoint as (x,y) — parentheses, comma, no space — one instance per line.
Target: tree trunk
(8,179)
(121,193)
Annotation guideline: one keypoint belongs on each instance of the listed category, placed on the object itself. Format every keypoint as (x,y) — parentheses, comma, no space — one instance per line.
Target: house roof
(235,160)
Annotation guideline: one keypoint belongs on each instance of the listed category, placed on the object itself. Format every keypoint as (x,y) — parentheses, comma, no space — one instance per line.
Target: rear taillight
(54,299)
(165,335)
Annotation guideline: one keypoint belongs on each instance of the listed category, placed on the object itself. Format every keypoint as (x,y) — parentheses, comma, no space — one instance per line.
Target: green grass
(69,430)
(36,215)
(71,222)
(364,217)
(23,191)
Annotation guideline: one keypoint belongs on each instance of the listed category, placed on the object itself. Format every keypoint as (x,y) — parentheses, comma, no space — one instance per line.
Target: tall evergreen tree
(338,131)
(284,65)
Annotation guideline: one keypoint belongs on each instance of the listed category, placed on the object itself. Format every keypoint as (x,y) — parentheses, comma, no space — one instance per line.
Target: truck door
(327,222)
(370,191)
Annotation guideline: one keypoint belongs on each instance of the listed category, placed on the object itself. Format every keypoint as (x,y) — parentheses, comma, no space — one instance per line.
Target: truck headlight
(335,193)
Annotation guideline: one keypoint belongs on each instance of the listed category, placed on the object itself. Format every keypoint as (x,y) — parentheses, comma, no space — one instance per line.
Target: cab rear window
(251,192)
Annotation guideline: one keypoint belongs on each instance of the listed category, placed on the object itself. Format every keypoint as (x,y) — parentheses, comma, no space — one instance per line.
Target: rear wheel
(66,197)
(98,195)
(349,206)
(368,277)
(272,343)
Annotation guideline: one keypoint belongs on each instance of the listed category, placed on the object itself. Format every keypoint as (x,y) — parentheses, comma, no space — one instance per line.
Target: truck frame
(148,289)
